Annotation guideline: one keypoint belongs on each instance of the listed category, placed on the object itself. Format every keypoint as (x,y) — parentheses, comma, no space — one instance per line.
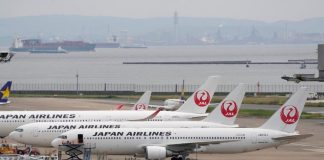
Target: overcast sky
(266,10)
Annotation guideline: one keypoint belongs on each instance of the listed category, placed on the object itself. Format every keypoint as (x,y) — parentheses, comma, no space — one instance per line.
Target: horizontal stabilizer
(293,137)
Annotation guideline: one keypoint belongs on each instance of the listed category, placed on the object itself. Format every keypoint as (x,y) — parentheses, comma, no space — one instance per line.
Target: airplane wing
(189,146)
(150,116)
(202,143)
(292,138)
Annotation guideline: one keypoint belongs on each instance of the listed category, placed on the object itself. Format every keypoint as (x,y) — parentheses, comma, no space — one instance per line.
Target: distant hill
(96,28)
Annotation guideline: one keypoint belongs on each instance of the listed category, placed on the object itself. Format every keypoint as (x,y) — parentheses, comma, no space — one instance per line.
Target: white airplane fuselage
(134,141)
(10,120)
(43,133)
(170,104)
(173,104)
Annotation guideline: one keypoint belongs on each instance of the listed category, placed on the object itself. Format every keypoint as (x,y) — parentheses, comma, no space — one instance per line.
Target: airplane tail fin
(198,102)
(287,116)
(227,110)
(119,107)
(5,93)
(143,102)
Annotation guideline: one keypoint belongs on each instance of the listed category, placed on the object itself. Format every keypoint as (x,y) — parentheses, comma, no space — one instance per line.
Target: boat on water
(36,45)
(134,46)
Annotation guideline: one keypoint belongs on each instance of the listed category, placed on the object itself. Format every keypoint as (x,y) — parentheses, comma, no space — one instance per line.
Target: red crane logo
(140,106)
(229,108)
(202,98)
(289,114)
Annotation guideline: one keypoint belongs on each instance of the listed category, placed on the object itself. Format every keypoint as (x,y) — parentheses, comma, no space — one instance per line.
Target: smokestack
(320,58)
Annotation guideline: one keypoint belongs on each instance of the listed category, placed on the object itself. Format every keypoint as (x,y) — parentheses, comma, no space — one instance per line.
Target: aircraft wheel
(174,158)
(20,152)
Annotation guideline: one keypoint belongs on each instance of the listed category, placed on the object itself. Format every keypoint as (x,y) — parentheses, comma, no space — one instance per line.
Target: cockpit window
(19,130)
(62,136)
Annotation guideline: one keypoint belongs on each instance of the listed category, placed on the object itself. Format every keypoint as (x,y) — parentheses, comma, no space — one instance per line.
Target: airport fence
(97,88)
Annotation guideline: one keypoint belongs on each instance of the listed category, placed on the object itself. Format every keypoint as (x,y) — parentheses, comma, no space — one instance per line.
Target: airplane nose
(56,142)
(13,135)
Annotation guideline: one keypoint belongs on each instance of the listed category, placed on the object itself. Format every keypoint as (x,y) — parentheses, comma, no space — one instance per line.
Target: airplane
(41,134)
(193,109)
(174,104)
(141,104)
(5,93)
(170,104)
(178,143)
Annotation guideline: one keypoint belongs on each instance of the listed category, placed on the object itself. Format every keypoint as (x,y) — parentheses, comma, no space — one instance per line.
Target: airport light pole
(77,83)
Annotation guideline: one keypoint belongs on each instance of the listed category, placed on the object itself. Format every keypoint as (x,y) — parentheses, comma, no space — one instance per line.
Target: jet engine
(156,152)
(6,56)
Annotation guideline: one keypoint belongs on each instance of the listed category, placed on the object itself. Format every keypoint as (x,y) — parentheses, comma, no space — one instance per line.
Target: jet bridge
(311,77)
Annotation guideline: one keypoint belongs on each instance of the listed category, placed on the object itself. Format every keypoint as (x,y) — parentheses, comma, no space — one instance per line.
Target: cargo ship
(28,45)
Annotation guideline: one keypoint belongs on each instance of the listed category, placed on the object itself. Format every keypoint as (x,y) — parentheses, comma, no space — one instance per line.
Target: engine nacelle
(156,152)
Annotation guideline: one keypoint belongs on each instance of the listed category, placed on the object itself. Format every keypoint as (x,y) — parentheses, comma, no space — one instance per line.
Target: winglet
(291,138)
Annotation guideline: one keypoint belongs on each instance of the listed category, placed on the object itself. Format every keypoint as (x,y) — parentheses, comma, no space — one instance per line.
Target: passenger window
(62,137)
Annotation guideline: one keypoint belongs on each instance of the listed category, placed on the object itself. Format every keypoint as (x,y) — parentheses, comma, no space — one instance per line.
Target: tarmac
(311,148)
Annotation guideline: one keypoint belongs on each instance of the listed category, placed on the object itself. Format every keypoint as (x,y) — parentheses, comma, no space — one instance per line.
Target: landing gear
(174,158)
(180,157)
